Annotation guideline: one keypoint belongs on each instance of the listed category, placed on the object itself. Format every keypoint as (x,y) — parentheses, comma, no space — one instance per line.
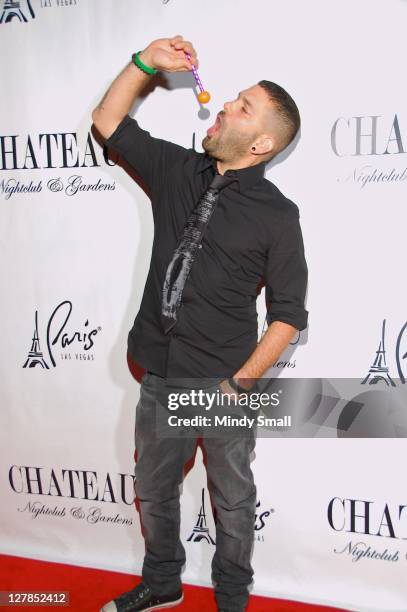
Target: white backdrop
(76,237)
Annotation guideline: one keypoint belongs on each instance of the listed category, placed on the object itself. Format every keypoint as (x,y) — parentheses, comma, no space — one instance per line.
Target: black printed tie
(184,255)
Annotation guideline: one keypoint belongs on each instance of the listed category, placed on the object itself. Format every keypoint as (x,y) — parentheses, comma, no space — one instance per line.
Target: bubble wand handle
(195,73)
(203,96)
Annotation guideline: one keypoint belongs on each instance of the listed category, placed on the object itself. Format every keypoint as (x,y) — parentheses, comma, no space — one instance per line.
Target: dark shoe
(142,598)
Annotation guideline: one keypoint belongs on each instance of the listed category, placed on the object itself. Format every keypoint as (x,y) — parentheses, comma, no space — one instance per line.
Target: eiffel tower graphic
(35,356)
(201,531)
(12,8)
(378,371)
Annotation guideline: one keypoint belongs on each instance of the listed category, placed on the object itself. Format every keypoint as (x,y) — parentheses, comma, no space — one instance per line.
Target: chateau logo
(59,338)
(375,136)
(72,484)
(370,135)
(49,151)
(57,489)
(366,517)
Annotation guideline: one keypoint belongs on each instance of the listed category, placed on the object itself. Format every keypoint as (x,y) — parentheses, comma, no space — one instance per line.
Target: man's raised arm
(165,54)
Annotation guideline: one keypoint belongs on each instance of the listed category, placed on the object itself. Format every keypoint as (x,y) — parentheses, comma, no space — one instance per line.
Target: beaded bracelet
(143,67)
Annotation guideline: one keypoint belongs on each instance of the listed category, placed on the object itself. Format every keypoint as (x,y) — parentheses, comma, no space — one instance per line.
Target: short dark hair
(287,110)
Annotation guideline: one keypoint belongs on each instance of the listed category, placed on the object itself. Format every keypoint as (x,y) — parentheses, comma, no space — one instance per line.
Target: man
(198,318)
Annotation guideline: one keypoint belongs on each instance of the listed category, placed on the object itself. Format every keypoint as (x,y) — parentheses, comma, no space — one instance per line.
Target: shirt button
(175,335)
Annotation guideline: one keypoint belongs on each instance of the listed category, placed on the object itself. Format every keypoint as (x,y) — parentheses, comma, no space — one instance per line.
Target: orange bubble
(204,97)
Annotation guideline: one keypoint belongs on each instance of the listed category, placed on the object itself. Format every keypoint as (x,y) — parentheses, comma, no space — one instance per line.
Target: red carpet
(90,588)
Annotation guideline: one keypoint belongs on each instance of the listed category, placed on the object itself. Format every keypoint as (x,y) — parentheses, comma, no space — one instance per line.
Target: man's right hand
(167,54)
(163,54)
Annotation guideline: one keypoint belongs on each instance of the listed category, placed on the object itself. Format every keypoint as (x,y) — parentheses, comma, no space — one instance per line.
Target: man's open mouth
(215,127)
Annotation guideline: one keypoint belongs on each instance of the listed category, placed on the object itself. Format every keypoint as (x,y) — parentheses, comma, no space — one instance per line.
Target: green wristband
(139,64)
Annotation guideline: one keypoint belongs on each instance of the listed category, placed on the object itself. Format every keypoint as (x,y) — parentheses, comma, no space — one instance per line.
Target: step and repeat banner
(76,234)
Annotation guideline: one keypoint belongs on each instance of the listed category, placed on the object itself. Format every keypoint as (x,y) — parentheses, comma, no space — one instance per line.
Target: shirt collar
(246,177)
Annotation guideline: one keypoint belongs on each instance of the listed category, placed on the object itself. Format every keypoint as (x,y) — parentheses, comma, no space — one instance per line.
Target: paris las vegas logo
(22,10)
(63,343)
(379,372)
(201,532)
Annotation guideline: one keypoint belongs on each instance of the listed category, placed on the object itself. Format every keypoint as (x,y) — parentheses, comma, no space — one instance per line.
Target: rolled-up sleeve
(151,157)
(286,274)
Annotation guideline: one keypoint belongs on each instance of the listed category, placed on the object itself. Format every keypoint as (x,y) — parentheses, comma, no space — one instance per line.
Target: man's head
(258,124)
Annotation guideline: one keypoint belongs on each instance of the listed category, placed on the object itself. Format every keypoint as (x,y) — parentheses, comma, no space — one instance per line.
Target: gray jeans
(159,471)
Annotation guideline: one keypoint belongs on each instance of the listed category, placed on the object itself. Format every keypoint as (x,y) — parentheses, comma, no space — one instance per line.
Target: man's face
(238,125)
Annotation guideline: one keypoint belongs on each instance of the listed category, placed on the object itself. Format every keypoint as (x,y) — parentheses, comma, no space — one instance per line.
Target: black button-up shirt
(254,234)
